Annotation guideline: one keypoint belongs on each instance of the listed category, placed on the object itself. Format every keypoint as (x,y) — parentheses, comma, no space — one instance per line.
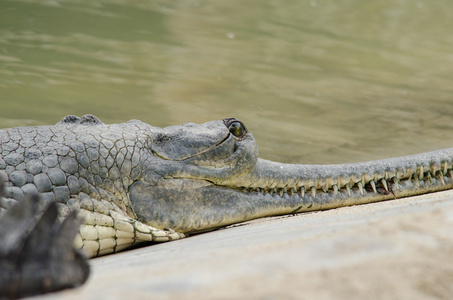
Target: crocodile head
(192,181)
(202,177)
(213,152)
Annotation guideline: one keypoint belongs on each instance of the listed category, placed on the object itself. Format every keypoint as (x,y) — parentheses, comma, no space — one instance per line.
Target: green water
(314,81)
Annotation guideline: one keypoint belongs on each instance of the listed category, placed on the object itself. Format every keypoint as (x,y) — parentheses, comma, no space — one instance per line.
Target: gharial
(133,182)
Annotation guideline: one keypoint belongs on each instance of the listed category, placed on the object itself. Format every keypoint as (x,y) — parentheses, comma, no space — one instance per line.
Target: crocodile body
(133,182)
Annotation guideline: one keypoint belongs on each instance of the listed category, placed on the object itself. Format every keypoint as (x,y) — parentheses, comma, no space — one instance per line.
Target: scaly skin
(133,182)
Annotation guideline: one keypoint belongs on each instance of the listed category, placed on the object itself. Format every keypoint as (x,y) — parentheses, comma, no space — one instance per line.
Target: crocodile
(134,183)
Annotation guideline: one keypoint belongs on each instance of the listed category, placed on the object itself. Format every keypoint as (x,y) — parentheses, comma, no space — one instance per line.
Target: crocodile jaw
(270,188)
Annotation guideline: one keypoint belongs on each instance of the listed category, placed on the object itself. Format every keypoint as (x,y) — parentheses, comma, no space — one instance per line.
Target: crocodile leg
(36,253)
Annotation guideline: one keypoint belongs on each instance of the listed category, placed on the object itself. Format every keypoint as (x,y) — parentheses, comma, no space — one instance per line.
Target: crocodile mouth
(310,194)
(375,180)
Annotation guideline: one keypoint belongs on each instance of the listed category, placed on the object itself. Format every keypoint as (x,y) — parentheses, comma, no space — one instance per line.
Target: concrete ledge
(388,250)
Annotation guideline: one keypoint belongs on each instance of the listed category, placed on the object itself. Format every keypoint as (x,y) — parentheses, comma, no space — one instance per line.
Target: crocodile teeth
(335,189)
(396,181)
(421,173)
(349,189)
(430,178)
(302,192)
(360,188)
(313,191)
(373,185)
(339,183)
(281,193)
(384,183)
(445,168)
(441,178)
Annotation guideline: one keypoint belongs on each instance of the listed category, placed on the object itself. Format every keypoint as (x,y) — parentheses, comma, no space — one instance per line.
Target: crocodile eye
(237,129)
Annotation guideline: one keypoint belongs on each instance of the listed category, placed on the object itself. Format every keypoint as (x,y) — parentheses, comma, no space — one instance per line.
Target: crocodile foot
(36,251)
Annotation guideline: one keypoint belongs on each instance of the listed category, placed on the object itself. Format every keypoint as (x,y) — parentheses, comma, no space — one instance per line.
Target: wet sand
(399,249)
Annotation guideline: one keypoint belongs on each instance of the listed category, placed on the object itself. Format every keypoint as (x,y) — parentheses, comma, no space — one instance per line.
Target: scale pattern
(84,165)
